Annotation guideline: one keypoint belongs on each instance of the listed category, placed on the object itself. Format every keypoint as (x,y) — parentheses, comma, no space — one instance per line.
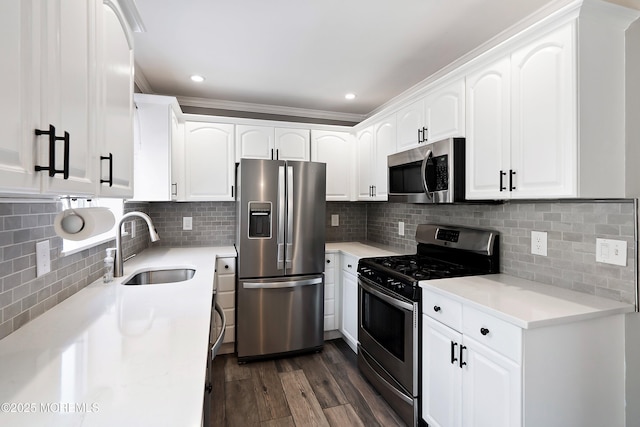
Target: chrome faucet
(118,258)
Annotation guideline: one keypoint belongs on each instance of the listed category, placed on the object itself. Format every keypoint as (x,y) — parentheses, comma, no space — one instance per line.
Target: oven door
(388,332)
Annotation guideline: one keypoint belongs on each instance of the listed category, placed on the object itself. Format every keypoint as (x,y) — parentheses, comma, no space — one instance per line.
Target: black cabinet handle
(484,331)
(226,267)
(420,136)
(110,180)
(232,191)
(174,189)
(436,308)
(52,152)
(502,187)
(277,154)
(328,261)
(349,266)
(272,154)
(462,348)
(453,352)
(511,174)
(425,134)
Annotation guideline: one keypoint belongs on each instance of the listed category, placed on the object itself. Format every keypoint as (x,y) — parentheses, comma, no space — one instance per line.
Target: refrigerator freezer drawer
(278,316)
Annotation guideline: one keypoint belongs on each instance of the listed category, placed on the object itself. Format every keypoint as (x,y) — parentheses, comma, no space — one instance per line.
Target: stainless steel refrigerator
(280,242)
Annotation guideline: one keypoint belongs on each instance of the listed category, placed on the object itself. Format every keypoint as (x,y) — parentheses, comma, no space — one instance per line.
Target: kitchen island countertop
(116,355)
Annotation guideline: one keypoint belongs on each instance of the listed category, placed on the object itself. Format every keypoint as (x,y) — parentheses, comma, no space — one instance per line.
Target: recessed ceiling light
(197,79)
(350,96)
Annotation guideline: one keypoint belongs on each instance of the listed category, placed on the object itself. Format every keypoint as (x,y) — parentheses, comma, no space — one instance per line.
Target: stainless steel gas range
(389,309)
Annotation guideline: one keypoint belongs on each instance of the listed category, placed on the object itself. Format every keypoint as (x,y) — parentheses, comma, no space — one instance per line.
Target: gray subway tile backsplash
(572,228)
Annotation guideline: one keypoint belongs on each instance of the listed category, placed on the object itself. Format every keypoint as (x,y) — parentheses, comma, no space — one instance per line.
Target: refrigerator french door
(280,242)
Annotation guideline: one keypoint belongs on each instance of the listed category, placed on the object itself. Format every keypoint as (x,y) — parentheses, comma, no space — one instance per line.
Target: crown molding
(141,80)
(269,109)
(131,14)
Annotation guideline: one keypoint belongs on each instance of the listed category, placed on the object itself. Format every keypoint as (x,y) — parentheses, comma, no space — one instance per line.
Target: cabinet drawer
(226,283)
(226,265)
(350,264)
(442,309)
(495,333)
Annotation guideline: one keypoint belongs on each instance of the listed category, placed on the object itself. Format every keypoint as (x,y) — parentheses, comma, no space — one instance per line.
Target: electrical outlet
(335,220)
(401,228)
(187,223)
(43,258)
(611,251)
(539,243)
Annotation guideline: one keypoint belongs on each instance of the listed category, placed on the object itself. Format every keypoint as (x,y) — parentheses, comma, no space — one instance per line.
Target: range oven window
(385,323)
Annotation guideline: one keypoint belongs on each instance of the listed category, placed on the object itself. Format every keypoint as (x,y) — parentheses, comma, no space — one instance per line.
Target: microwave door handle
(281,218)
(425,184)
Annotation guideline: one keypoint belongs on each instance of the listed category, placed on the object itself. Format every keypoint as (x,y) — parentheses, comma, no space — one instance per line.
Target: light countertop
(361,250)
(114,355)
(522,302)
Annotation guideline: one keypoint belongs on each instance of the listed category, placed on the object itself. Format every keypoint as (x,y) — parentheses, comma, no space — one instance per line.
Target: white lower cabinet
(226,295)
(349,282)
(330,300)
(479,370)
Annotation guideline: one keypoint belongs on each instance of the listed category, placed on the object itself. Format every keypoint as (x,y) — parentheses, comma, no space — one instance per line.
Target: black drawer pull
(52,152)
(462,349)
(328,261)
(436,308)
(453,352)
(484,331)
(110,180)
(349,266)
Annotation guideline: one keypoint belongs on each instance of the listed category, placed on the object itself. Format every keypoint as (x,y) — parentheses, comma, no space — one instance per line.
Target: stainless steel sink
(153,277)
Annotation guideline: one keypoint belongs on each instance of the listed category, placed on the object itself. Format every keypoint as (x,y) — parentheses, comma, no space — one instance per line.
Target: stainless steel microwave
(430,173)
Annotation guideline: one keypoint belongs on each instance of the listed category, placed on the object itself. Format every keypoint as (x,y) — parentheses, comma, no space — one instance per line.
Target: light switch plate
(609,251)
(43,258)
(401,228)
(539,243)
(335,220)
(187,223)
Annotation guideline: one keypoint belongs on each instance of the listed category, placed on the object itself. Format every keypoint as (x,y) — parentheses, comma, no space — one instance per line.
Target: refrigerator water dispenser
(259,220)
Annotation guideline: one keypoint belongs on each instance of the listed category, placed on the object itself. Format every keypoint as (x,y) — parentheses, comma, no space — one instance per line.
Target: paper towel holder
(72,222)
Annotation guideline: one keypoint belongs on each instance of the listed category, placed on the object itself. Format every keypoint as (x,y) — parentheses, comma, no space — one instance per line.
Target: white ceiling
(307,54)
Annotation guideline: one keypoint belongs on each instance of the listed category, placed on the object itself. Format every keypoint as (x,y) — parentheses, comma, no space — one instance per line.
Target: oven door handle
(425,184)
(393,301)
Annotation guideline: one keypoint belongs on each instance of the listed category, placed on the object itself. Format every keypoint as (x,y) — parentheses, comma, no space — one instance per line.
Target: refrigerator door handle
(281,217)
(277,285)
(289,235)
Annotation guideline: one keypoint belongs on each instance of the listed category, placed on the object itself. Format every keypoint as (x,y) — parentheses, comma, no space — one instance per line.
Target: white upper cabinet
(69,95)
(66,99)
(487,145)
(266,142)
(254,142)
(373,145)
(335,149)
(292,144)
(209,161)
(157,140)
(439,115)
(444,111)
(115,153)
(521,122)
(19,102)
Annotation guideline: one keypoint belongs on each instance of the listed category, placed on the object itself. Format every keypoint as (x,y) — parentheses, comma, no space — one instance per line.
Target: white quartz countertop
(522,302)
(360,250)
(114,355)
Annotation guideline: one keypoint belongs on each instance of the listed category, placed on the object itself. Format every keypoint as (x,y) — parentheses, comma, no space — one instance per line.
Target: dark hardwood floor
(319,389)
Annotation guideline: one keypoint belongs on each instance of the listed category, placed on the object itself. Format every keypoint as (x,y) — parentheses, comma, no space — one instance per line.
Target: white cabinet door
(115,155)
(491,386)
(330,300)
(209,161)
(364,155)
(19,87)
(177,159)
(349,325)
(254,142)
(487,142)
(543,118)
(445,112)
(155,127)
(410,120)
(292,144)
(70,93)
(334,149)
(441,374)
(384,144)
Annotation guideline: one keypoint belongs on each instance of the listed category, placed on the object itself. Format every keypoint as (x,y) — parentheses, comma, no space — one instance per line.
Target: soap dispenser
(108,266)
